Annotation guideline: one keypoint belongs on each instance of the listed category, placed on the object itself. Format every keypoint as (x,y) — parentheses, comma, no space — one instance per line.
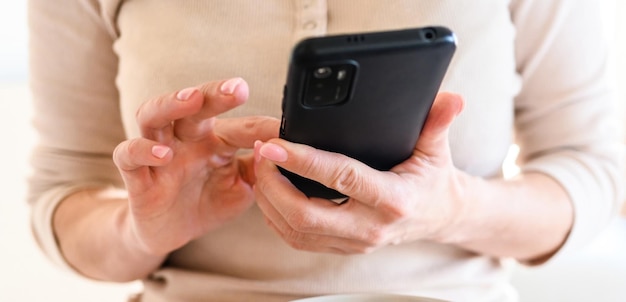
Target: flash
(341,74)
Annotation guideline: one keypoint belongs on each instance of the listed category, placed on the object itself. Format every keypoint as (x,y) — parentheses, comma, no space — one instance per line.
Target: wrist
(462,203)
(136,247)
(93,235)
(131,259)
(527,217)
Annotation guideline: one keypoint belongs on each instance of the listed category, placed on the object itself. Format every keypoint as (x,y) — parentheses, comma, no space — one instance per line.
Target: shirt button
(309,25)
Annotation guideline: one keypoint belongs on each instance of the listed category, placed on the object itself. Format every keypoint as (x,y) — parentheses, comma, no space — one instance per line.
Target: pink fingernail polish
(274,152)
(160,151)
(186,93)
(230,86)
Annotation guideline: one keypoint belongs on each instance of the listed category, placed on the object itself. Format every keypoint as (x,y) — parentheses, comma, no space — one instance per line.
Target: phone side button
(282,125)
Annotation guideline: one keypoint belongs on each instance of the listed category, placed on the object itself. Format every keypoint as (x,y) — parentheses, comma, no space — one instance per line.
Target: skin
(183,180)
(423,198)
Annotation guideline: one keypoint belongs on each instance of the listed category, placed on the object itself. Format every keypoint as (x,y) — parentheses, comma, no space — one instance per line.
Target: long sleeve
(565,114)
(95,61)
(76,109)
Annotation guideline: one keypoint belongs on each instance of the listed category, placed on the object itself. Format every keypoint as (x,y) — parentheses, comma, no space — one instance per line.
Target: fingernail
(257,155)
(230,86)
(186,93)
(160,151)
(274,152)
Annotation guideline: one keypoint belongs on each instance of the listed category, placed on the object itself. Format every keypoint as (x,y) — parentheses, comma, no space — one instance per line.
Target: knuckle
(394,206)
(209,89)
(143,109)
(133,148)
(296,245)
(301,221)
(147,110)
(346,179)
(310,166)
(252,123)
(252,126)
(397,210)
(129,154)
(139,112)
(375,237)
(295,239)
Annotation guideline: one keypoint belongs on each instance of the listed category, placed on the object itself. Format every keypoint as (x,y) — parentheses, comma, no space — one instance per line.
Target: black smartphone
(364,95)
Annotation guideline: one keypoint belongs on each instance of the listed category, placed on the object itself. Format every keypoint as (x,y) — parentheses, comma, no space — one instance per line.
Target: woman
(136,177)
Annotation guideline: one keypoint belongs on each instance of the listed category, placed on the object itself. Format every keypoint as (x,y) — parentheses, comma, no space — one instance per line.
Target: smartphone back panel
(366,96)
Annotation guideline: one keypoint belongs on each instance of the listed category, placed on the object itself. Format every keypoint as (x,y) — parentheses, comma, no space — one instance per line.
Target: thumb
(434,137)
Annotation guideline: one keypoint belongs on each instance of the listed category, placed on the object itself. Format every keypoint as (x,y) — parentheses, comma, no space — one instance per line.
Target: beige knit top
(532,72)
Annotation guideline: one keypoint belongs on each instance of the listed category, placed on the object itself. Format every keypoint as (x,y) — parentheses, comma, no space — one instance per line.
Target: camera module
(329,85)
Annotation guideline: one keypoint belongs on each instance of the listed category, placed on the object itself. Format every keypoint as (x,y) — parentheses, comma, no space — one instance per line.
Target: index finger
(289,209)
(242,132)
(216,98)
(337,171)
(189,108)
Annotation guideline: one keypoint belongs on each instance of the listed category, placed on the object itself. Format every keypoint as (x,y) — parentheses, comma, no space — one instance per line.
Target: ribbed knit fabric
(534,70)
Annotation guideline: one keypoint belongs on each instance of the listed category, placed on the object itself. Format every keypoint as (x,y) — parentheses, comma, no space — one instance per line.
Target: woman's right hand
(182,175)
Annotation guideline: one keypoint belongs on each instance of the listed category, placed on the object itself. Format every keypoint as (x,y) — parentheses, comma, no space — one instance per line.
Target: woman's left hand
(421,198)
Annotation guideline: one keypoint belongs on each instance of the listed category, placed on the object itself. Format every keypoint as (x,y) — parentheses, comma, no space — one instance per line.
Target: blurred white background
(596,274)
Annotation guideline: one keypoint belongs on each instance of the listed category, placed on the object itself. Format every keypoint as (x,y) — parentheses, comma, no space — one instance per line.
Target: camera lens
(322,72)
